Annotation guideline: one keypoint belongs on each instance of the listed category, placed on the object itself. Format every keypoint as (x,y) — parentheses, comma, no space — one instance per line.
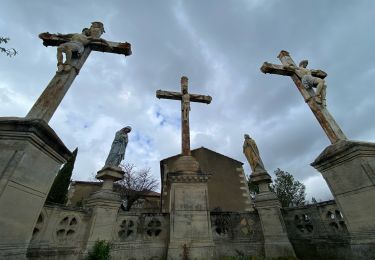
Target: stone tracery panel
(230,225)
(38,226)
(67,228)
(127,228)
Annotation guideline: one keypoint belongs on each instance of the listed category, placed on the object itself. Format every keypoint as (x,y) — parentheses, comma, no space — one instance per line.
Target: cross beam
(49,100)
(185,98)
(289,68)
(112,47)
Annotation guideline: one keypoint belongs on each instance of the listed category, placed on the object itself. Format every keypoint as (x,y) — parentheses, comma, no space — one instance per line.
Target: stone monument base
(105,205)
(30,156)
(190,223)
(276,241)
(349,170)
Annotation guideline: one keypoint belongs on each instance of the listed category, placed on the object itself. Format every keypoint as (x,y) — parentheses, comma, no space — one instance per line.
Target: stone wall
(140,236)
(237,234)
(225,174)
(318,231)
(59,231)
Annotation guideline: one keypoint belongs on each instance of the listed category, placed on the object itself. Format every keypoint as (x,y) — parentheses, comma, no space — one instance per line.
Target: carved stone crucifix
(77,48)
(185,98)
(289,68)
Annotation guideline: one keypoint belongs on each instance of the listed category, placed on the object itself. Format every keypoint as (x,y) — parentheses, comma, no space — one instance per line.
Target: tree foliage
(289,191)
(59,189)
(135,184)
(9,52)
(100,251)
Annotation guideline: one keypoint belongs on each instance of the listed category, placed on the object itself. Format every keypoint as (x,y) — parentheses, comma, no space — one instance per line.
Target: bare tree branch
(135,184)
(9,52)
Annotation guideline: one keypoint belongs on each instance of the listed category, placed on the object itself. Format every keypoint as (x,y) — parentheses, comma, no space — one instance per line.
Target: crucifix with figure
(76,47)
(306,80)
(185,97)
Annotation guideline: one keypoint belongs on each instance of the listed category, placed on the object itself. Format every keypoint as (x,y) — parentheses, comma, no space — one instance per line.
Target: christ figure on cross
(77,48)
(305,80)
(185,98)
(309,82)
(77,43)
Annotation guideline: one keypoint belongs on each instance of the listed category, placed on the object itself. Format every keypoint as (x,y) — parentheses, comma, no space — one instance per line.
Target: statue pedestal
(105,205)
(30,156)
(276,241)
(190,224)
(349,170)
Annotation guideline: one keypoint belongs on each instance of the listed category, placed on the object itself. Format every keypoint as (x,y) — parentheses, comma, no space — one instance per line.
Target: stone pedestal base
(276,241)
(190,223)
(349,170)
(30,156)
(105,205)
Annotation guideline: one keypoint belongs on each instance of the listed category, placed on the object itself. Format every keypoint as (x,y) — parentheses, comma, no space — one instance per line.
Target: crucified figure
(310,82)
(77,43)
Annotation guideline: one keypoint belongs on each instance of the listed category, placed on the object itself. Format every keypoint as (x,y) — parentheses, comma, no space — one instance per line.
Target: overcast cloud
(220,46)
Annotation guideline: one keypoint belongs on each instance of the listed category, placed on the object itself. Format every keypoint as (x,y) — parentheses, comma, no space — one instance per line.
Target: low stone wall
(318,231)
(140,236)
(237,234)
(60,233)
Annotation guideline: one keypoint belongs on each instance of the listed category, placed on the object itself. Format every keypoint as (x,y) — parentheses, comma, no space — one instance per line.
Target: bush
(100,251)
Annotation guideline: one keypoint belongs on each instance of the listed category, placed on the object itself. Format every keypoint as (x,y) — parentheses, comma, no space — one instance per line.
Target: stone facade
(318,231)
(23,189)
(224,173)
(193,229)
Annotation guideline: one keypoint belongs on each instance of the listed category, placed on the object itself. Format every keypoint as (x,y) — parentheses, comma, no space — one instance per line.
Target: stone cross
(77,48)
(185,98)
(325,119)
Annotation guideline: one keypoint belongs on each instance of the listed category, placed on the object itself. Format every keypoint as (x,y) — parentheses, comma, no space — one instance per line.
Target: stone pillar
(30,156)
(190,224)
(105,205)
(276,241)
(349,170)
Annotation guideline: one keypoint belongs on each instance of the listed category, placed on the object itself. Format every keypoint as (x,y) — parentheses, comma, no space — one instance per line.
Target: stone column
(105,205)
(30,156)
(349,170)
(190,224)
(276,241)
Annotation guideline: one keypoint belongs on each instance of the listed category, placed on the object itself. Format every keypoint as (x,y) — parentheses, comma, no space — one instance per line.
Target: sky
(219,46)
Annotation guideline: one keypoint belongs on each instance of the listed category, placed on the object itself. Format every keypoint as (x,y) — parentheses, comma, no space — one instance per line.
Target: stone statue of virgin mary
(117,152)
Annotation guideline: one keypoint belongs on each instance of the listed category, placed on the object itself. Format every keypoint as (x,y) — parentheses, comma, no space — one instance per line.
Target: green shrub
(100,251)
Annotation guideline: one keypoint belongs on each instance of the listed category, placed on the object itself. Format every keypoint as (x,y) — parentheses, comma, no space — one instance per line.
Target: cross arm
(200,98)
(168,94)
(277,69)
(177,96)
(96,45)
(288,70)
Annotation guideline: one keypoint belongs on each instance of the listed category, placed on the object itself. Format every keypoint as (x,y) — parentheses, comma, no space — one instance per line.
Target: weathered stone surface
(318,231)
(190,226)
(31,155)
(222,173)
(349,170)
(186,164)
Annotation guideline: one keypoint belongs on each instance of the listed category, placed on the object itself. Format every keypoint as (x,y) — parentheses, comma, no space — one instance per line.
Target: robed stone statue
(251,152)
(117,152)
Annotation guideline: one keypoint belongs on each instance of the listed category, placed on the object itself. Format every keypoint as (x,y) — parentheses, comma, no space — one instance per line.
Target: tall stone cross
(289,68)
(185,98)
(77,47)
